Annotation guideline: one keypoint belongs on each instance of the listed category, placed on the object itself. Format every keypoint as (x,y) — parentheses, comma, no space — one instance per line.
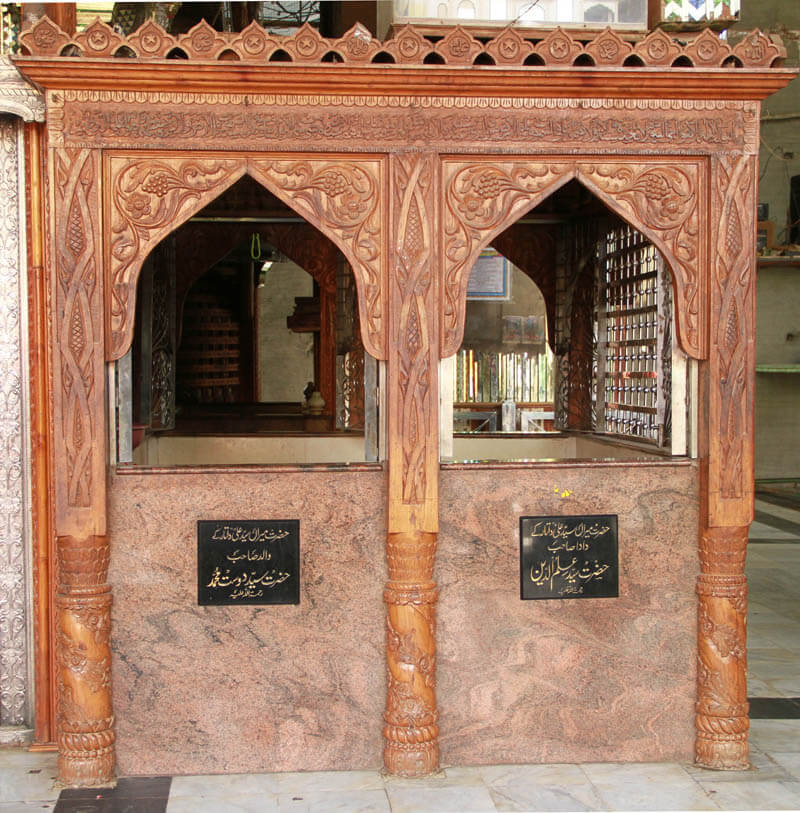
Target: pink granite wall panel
(231,689)
(576,680)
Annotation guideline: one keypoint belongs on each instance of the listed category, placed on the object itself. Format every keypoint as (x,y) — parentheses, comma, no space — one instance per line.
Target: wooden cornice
(557,64)
(171,76)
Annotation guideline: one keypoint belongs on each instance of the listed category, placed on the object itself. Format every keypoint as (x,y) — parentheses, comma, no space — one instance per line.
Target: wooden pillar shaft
(411,730)
(83,598)
(727,446)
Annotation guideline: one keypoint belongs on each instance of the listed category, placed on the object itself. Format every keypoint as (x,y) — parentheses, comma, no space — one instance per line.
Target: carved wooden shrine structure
(410,156)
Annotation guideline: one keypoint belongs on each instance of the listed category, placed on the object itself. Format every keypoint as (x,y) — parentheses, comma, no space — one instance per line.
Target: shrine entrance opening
(569,346)
(246,348)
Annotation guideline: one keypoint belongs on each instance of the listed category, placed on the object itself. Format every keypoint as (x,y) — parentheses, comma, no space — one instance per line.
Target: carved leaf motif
(411,272)
(663,201)
(149,197)
(341,198)
(480,199)
(75,269)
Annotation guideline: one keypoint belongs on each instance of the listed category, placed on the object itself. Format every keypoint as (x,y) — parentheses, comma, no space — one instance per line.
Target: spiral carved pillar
(411,720)
(83,647)
(722,721)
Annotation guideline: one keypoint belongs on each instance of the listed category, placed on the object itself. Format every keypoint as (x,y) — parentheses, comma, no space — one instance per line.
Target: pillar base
(412,760)
(723,753)
(87,770)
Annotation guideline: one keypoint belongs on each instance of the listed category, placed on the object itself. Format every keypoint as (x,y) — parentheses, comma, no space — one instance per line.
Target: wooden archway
(410,178)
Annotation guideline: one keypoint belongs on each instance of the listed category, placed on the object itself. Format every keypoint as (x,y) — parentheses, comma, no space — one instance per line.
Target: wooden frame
(411,197)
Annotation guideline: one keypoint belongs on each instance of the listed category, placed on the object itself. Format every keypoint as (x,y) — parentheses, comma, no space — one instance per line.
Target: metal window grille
(633,322)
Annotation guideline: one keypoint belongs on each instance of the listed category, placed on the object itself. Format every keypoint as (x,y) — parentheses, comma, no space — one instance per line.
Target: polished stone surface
(576,680)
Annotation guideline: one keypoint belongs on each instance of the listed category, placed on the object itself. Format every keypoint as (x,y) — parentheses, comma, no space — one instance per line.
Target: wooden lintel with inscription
(472,82)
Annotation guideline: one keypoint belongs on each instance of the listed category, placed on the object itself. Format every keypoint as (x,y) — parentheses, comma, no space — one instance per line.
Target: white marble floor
(773,783)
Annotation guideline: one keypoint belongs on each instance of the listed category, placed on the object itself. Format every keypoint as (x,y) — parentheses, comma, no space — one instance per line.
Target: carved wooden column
(83,598)
(411,730)
(728,451)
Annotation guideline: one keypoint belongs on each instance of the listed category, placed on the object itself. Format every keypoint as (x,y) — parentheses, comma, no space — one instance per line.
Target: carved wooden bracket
(663,200)
(151,196)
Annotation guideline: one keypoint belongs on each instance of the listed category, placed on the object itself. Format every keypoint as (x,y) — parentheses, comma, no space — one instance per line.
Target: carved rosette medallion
(149,198)
(481,200)
(342,199)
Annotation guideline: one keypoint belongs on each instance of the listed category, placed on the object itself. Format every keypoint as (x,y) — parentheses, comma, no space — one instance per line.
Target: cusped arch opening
(246,339)
(591,372)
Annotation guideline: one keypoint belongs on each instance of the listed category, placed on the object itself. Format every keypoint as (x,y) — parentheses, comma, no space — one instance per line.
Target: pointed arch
(149,197)
(662,200)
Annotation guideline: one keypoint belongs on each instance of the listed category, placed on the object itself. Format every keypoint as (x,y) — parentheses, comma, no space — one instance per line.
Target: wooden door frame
(672,151)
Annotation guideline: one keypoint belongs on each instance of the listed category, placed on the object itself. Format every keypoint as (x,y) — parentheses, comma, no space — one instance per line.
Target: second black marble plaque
(569,557)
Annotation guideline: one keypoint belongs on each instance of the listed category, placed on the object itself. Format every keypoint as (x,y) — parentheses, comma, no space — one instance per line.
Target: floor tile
(223,786)
(774,708)
(25,807)
(755,795)
(640,786)
(541,798)
(259,803)
(351,801)
(556,787)
(775,735)
(299,783)
(789,761)
(406,799)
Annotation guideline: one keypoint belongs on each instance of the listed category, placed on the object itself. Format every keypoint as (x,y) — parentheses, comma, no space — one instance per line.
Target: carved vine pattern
(344,196)
(665,199)
(148,197)
(76,273)
(408,46)
(481,199)
(412,273)
(734,280)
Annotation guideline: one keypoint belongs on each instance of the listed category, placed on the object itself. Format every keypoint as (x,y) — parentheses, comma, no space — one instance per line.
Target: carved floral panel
(342,198)
(663,200)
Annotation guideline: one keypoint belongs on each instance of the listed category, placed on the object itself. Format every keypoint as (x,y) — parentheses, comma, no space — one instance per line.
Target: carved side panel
(665,202)
(148,198)
(342,198)
(732,369)
(163,342)
(722,722)
(481,200)
(78,335)
(413,390)
(14,680)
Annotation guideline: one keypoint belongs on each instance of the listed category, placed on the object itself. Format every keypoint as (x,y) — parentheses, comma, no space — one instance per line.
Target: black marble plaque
(248,561)
(569,557)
